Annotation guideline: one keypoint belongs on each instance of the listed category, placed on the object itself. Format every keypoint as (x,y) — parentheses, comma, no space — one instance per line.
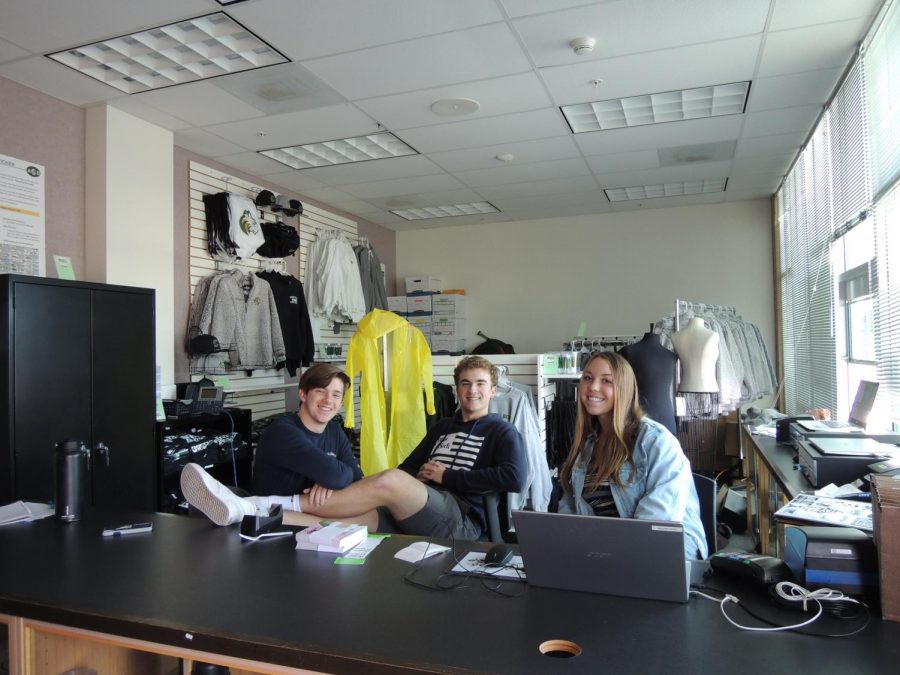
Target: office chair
(707,494)
(497,518)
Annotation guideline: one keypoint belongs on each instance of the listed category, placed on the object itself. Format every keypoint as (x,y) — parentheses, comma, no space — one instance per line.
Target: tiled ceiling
(358,67)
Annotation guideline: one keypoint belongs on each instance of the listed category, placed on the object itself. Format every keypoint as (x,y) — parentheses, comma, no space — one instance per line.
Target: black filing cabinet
(79,364)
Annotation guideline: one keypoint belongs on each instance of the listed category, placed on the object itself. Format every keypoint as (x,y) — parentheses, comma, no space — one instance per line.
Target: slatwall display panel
(264,390)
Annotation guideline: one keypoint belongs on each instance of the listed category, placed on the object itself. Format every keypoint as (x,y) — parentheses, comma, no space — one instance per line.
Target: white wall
(530,283)
(129,214)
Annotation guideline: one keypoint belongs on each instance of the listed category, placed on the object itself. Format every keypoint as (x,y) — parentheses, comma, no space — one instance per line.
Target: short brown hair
(320,376)
(473,362)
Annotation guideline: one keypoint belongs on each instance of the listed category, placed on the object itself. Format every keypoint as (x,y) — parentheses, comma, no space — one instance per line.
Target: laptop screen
(862,404)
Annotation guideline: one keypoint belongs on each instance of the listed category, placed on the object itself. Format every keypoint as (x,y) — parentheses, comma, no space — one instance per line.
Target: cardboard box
(418,305)
(449,326)
(397,304)
(449,305)
(423,283)
(444,345)
(423,323)
(886,529)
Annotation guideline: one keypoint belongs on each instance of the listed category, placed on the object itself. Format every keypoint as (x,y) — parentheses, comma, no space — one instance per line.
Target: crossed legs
(393,489)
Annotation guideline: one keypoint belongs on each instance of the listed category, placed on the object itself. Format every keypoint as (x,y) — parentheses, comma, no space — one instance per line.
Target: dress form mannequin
(698,349)
(654,370)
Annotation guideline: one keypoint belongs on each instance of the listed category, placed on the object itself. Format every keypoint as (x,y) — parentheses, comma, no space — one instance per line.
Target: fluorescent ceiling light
(447,211)
(186,51)
(689,187)
(669,106)
(343,151)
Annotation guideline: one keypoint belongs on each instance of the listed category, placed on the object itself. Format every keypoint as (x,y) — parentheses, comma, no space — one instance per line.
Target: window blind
(849,170)
(882,59)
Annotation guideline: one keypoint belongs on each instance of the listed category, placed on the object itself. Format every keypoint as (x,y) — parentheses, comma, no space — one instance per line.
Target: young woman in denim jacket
(624,464)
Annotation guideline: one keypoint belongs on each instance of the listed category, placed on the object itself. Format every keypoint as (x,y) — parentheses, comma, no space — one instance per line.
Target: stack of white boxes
(397,304)
(448,323)
(419,292)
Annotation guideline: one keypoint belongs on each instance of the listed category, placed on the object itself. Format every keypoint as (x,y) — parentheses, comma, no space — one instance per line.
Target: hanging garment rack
(595,342)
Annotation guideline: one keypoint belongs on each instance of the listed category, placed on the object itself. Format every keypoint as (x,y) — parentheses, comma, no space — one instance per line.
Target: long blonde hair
(617,448)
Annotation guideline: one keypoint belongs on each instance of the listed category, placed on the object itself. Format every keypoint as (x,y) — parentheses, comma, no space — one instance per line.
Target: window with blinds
(839,208)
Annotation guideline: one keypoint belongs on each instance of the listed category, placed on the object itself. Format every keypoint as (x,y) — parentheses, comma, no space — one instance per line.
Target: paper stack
(886,516)
(24,511)
(335,537)
(805,508)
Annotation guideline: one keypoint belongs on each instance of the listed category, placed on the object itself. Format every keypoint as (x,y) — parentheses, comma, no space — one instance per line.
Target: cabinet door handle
(103,451)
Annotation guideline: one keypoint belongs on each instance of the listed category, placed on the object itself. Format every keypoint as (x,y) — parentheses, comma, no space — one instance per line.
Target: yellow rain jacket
(410,372)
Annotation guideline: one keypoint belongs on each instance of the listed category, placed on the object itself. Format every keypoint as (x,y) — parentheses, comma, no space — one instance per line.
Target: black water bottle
(71,473)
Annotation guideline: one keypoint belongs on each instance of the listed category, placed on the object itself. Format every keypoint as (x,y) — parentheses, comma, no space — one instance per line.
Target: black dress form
(654,370)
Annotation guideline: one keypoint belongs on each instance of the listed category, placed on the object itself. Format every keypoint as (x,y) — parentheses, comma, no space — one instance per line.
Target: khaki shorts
(442,516)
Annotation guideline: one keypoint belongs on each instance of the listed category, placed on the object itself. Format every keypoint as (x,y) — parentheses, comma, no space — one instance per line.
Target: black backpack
(493,346)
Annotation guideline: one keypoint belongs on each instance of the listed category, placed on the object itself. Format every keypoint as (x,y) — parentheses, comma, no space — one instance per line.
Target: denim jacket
(662,487)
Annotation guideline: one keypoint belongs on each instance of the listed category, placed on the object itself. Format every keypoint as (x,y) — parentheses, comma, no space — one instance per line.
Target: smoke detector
(583,45)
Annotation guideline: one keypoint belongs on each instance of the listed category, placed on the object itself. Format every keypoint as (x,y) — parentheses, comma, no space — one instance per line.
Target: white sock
(254,506)
(291,503)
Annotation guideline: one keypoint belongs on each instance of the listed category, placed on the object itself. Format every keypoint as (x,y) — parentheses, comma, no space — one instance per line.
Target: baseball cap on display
(289,207)
(265,198)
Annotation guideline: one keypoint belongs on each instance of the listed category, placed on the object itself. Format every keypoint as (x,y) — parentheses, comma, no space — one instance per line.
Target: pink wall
(48,131)
(382,240)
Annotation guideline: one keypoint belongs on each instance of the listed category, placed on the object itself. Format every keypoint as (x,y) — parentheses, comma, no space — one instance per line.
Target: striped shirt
(600,499)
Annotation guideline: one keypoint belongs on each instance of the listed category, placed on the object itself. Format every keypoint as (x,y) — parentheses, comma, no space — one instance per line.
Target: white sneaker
(205,493)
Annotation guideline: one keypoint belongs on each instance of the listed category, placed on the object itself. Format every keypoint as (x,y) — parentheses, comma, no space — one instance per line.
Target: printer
(842,558)
(839,460)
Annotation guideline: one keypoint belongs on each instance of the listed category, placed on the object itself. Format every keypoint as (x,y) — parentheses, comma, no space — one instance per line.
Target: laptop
(615,556)
(859,412)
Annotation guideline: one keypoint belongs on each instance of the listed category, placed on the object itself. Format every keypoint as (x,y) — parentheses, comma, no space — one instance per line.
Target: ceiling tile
(56,24)
(10,52)
(564,210)
(545,149)
(686,67)
(477,54)
(497,96)
(204,143)
(295,180)
(637,26)
(253,163)
(785,91)
(655,136)
(322,194)
(771,122)
(283,88)
(517,8)
(767,164)
(798,13)
(403,186)
(148,113)
(829,45)
(624,161)
(767,183)
(296,128)
(200,103)
(357,207)
(305,29)
(39,72)
(770,145)
(516,173)
(380,169)
(524,126)
(542,187)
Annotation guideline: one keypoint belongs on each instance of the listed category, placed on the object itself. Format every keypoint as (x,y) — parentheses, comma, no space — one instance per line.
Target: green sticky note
(340,560)
(64,269)
(582,329)
(222,381)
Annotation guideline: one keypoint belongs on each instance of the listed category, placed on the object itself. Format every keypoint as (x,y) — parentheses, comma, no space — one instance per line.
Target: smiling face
(474,391)
(597,389)
(318,405)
